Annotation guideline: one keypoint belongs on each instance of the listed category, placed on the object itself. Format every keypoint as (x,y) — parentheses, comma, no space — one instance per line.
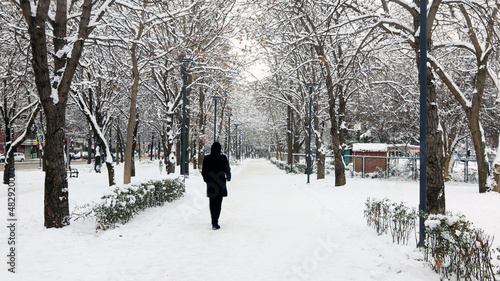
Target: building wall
(371,164)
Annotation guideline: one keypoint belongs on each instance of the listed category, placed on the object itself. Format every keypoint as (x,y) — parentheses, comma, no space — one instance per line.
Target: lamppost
(291,140)
(184,62)
(152,145)
(310,85)
(423,119)
(228,134)
(216,98)
(110,137)
(236,148)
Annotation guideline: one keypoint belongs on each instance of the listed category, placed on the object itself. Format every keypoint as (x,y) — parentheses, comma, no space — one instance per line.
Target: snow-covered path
(274,227)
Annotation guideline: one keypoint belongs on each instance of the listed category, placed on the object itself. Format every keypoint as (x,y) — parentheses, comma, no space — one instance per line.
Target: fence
(463,170)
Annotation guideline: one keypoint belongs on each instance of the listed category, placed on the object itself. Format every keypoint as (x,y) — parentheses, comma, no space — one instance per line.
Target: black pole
(184,62)
(216,98)
(159,148)
(423,118)
(467,154)
(89,149)
(152,145)
(310,85)
(228,135)
(291,140)
(309,133)
(236,148)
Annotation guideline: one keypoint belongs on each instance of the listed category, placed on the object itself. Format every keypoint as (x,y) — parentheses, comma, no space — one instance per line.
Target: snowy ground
(274,226)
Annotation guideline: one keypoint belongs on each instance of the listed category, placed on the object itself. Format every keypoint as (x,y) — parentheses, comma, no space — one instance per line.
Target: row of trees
(365,56)
(111,67)
(114,66)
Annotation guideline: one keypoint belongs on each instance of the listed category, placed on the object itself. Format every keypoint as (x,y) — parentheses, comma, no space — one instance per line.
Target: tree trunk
(170,164)
(289,136)
(201,127)
(102,145)
(8,142)
(9,169)
(497,168)
(446,167)
(450,137)
(479,147)
(472,114)
(170,138)
(338,150)
(134,145)
(435,183)
(188,154)
(54,93)
(320,156)
(497,177)
(127,173)
(56,184)
(178,152)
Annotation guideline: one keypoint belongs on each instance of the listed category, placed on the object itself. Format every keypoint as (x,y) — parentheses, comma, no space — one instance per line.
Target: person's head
(216,148)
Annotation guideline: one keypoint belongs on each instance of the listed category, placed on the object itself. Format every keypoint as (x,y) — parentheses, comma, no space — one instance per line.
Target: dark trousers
(215,207)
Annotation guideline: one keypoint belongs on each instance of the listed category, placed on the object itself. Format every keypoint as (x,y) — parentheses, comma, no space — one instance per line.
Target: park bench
(73,173)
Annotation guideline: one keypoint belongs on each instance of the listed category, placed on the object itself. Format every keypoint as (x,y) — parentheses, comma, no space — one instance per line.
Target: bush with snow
(452,246)
(385,215)
(298,168)
(121,203)
(455,248)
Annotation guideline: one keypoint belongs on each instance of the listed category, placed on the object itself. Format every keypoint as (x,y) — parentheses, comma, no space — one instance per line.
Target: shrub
(402,222)
(377,214)
(384,215)
(298,168)
(122,203)
(454,247)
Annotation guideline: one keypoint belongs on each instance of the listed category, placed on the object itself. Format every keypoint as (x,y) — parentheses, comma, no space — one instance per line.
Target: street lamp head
(184,60)
(310,85)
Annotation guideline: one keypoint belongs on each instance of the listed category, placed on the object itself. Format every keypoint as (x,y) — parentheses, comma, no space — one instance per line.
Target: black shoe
(215,226)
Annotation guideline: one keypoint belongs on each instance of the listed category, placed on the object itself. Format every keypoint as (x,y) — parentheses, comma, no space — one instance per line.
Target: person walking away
(216,172)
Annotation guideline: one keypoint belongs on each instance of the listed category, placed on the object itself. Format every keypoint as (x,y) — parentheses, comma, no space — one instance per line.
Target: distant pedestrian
(161,167)
(216,172)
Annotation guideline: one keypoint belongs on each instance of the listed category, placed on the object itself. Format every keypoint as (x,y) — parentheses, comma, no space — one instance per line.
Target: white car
(18,156)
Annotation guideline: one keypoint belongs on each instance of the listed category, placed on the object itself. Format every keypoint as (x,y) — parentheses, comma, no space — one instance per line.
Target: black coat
(215,172)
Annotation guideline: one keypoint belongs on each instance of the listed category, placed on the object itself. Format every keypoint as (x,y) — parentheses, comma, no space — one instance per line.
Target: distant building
(27,147)
(372,157)
(367,157)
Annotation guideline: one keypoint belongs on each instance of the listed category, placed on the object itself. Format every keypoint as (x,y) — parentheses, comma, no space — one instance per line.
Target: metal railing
(406,167)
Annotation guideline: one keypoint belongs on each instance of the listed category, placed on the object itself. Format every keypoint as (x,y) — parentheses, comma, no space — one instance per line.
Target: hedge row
(452,246)
(298,168)
(384,215)
(122,203)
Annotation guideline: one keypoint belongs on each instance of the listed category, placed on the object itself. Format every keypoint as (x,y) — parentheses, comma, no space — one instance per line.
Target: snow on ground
(274,226)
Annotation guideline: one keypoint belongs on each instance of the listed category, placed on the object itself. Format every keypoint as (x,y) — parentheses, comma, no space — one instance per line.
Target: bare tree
(479,39)
(68,24)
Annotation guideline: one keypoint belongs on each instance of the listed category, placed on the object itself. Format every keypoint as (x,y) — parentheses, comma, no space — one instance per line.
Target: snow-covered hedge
(454,248)
(298,168)
(120,204)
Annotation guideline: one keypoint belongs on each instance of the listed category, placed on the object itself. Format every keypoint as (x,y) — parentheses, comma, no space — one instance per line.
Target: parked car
(84,155)
(74,156)
(18,156)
